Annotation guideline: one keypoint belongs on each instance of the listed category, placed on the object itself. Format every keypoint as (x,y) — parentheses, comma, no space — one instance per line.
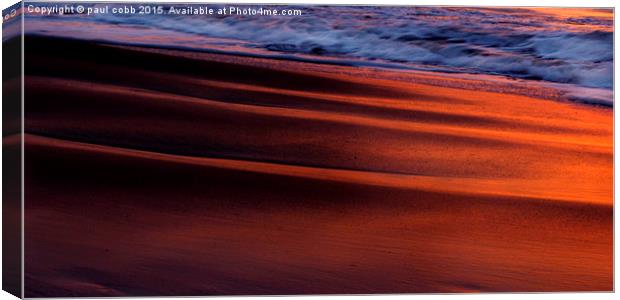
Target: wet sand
(157,172)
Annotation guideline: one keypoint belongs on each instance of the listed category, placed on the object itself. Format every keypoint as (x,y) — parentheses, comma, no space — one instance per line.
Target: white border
(513,3)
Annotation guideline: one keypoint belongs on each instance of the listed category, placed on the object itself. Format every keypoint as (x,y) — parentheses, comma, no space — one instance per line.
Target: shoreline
(547,90)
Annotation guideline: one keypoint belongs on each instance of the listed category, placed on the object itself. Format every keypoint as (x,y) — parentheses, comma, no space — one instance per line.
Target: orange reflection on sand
(211,177)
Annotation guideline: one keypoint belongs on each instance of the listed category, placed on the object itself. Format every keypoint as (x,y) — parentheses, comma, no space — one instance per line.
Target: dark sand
(155,173)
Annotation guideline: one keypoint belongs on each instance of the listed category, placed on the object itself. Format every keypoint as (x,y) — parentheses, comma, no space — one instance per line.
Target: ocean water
(572,47)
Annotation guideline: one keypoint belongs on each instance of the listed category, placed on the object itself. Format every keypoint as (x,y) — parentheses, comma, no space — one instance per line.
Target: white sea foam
(518,43)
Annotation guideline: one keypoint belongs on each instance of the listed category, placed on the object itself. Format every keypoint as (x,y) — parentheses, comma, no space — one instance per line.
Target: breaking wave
(534,44)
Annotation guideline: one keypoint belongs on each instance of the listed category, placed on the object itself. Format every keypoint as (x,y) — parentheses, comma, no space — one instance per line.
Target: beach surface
(168,172)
